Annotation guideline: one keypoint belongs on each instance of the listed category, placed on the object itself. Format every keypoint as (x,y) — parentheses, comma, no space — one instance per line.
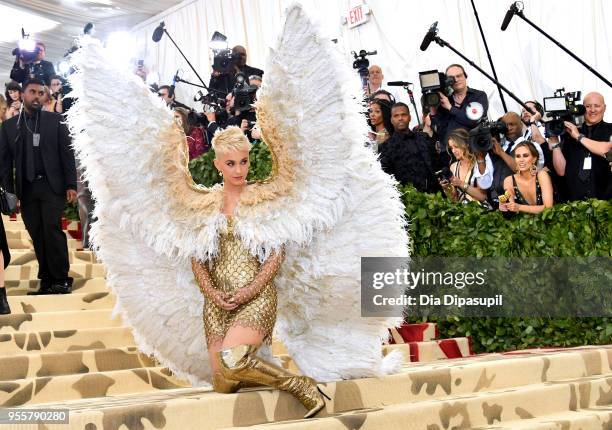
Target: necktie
(29,150)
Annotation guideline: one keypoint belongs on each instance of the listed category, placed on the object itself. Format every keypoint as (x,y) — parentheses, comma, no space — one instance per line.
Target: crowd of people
(526,169)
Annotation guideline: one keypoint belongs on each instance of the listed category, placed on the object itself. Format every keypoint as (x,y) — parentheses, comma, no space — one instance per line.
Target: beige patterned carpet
(66,352)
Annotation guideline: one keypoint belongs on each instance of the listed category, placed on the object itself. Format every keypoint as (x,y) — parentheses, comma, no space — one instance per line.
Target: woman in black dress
(529,191)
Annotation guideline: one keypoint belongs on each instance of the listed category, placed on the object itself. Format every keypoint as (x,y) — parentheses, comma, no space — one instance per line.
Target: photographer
(223,76)
(241,106)
(534,128)
(502,154)
(166,92)
(581,159)
(375,83)
(410,157)
(26,68)
(451,114)
(13,96)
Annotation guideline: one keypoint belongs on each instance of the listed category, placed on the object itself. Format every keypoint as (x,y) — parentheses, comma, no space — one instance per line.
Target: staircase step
(65,340)
(18,235)
(462,411)
(417,332)
(28,257)
(599,417)
(432,350)
(61,302)
(77,270)
(80,285)
(90,385)
(36,365)
(65,320)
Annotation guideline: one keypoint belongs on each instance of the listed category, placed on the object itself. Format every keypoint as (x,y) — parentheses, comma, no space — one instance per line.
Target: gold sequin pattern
(232,269)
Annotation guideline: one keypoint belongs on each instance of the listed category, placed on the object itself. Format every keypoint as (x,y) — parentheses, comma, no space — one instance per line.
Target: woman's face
(376,117)
(455,149)
(234,165)
(55,86)
(14,95)
(524,159)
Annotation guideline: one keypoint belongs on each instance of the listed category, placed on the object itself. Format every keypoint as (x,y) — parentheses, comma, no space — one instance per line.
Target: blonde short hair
(230,139)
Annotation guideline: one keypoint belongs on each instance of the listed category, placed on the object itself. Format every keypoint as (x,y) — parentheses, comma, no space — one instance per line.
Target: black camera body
(444,174)
(433,82)
(481,135)
(244,94)
(562,107)
(211,100)
(27,56)
(224,61)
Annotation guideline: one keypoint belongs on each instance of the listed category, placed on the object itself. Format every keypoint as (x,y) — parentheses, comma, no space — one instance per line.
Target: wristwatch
(555,145)
(580,137)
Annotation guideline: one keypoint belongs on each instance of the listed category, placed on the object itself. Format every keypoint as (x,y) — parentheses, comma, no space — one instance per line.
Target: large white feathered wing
(150,218)
(310,101)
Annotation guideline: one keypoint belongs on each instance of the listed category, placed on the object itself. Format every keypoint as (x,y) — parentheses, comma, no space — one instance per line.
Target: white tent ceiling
(71,16)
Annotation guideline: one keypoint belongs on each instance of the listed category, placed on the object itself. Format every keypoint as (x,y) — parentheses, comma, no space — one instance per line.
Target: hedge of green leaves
(440,227)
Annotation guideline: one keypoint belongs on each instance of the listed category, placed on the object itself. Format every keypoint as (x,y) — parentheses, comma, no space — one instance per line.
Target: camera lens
(432,99)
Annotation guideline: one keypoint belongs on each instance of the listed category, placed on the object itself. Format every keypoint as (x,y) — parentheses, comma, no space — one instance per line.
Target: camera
(443,174)
(562,107)
(480,136)
(224,61)
(26,49)
(209,99)
(361,64)
(433,82)
(244,94)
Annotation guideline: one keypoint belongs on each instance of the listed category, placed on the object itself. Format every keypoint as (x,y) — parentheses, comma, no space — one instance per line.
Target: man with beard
(410,157)
(37,144)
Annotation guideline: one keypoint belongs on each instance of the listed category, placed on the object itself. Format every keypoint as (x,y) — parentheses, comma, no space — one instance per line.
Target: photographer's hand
(445,102)
(71,196)
(571,129)
(256,132)
(497,149)
(211,116)
(427,126)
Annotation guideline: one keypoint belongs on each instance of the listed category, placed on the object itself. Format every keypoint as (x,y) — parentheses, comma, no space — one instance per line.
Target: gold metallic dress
(235,269)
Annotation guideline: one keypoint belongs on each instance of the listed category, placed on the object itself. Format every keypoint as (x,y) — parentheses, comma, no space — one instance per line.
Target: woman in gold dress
(240,297)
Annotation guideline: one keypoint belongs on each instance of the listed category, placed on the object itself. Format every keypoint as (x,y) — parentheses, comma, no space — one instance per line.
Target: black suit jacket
(56,152)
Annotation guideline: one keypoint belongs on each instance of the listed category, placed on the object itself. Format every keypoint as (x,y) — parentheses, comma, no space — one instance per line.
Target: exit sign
(357,15)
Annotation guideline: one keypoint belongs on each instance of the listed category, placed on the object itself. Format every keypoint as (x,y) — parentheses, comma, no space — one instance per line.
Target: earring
(533,170)
(220,173)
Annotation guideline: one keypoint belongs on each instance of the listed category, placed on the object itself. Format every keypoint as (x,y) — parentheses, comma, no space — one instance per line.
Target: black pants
(41,210)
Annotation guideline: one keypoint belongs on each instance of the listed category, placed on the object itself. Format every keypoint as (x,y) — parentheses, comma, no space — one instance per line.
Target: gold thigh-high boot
(240,363)
(222,385)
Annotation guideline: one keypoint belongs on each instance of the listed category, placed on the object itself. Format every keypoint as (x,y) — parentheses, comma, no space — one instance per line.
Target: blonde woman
(463,185)
(240,305)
